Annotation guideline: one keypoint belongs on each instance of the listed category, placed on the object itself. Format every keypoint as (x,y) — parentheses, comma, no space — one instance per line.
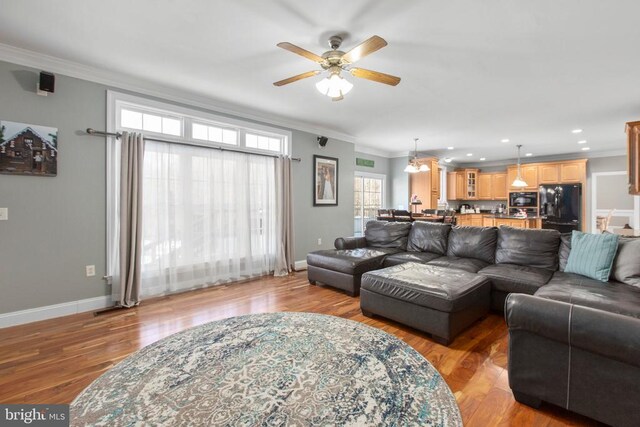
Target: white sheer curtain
(209,217)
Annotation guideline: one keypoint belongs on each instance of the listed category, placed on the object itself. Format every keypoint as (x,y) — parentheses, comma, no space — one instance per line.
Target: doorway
(368,198)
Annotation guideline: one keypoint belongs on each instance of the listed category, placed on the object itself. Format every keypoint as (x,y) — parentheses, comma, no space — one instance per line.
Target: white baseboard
(300,265)
(51,311)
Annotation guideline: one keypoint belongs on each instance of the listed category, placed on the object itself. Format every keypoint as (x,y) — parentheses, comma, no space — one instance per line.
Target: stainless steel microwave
(523,200)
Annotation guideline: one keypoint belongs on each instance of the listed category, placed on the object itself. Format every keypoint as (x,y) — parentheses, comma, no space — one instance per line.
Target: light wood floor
(53,360)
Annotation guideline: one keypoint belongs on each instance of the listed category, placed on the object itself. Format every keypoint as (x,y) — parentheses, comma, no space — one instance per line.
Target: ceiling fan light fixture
(334,86)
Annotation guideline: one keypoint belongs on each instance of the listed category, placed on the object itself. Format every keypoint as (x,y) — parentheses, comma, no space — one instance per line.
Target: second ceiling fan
(334,61)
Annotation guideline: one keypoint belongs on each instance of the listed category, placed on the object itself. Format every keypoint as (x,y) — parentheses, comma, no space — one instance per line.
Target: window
(184,125)
(368,198)
(214,134)
(209,216)
(148,122)
(264,142)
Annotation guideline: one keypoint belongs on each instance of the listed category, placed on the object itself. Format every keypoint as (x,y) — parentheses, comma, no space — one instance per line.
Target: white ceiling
(473,72)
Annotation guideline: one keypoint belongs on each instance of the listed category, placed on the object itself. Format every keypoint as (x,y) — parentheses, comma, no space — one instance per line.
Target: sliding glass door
(368,198)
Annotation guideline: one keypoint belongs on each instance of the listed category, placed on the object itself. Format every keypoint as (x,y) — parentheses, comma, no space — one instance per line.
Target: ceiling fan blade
(375,76)
(296,78)
(300,51)
(363,49)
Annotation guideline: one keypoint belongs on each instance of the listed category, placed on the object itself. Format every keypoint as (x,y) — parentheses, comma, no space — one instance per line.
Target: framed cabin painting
(28,149)
(325,181)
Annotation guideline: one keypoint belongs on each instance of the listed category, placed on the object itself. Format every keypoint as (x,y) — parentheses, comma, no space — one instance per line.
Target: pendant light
(413,165)
(519,182)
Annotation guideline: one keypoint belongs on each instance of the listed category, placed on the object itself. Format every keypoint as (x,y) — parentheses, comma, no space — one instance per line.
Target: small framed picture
(325,181)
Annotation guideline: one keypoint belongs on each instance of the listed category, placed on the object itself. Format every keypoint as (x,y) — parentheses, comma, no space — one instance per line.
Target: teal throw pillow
(592,255)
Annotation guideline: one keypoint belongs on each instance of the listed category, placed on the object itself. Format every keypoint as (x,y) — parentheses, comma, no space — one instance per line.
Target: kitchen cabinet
(499,186)
(471,184)
(492,186)
(549,174)
(452,193)
(471,219)
(572,172)
(529,175)
(455,185)
(491,221)
(426,185)
(485,186)
(633,156)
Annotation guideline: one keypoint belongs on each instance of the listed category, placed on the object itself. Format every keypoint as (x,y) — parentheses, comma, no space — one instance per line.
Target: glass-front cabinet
(471,184)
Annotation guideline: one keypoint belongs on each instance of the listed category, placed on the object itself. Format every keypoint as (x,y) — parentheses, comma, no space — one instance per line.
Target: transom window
(156,123)
(214,134)
(178,124)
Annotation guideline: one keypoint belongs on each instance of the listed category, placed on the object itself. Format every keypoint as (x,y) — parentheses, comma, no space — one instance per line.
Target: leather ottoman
(438,300)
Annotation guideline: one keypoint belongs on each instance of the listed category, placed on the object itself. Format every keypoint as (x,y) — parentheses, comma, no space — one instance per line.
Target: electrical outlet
(319,241)
(4,214)
(91,270)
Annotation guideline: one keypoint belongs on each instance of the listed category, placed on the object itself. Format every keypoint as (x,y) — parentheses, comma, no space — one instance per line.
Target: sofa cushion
(530,247)
(471,265)
(384,234)
(402,257)
(626,265)
(614,297)
(473,242)
(592,254)
(429,237)
(349,261)
(565,250)
(516,278)
(442,289)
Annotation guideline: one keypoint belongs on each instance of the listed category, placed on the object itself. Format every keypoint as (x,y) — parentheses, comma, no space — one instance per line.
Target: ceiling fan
(334,61)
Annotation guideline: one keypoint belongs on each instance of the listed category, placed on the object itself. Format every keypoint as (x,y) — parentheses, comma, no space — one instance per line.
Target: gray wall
(382,167)
(324,222)
(57,225)
(399,182)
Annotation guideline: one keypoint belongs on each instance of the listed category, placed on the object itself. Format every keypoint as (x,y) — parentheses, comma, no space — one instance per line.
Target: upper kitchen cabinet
(471,184)
(573,172)
(549,173)
(529,175)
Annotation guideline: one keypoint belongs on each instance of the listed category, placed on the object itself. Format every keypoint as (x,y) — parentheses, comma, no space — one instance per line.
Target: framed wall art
(325,181)
(28,149)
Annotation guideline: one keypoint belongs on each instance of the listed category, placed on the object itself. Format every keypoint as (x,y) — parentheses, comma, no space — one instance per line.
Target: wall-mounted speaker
(47,83)
(322,141)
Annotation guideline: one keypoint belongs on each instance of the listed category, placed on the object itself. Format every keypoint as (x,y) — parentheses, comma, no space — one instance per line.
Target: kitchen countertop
(498,216)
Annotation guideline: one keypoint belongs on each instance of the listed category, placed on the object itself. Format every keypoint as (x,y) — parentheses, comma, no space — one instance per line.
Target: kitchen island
(512,221)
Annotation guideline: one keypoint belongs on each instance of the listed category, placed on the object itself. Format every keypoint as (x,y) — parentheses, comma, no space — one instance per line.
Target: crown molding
(550,158)
(365,149)
(28,58)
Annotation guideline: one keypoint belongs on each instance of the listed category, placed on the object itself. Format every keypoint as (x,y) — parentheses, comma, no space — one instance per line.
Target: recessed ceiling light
(529,154)
(576,131)
(584,141)
(448,160)
(469,154)
(483,159)
(449,148)
(586,148)
(504,141)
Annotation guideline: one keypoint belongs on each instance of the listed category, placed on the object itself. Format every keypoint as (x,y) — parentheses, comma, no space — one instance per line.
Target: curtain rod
(117,135)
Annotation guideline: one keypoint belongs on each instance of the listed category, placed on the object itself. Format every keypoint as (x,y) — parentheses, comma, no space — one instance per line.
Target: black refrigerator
(561,206)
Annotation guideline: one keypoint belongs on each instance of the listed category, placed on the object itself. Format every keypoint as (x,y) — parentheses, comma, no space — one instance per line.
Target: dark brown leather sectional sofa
(573,341)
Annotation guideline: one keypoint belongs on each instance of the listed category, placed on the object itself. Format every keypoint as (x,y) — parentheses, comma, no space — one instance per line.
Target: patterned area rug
(279,369)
